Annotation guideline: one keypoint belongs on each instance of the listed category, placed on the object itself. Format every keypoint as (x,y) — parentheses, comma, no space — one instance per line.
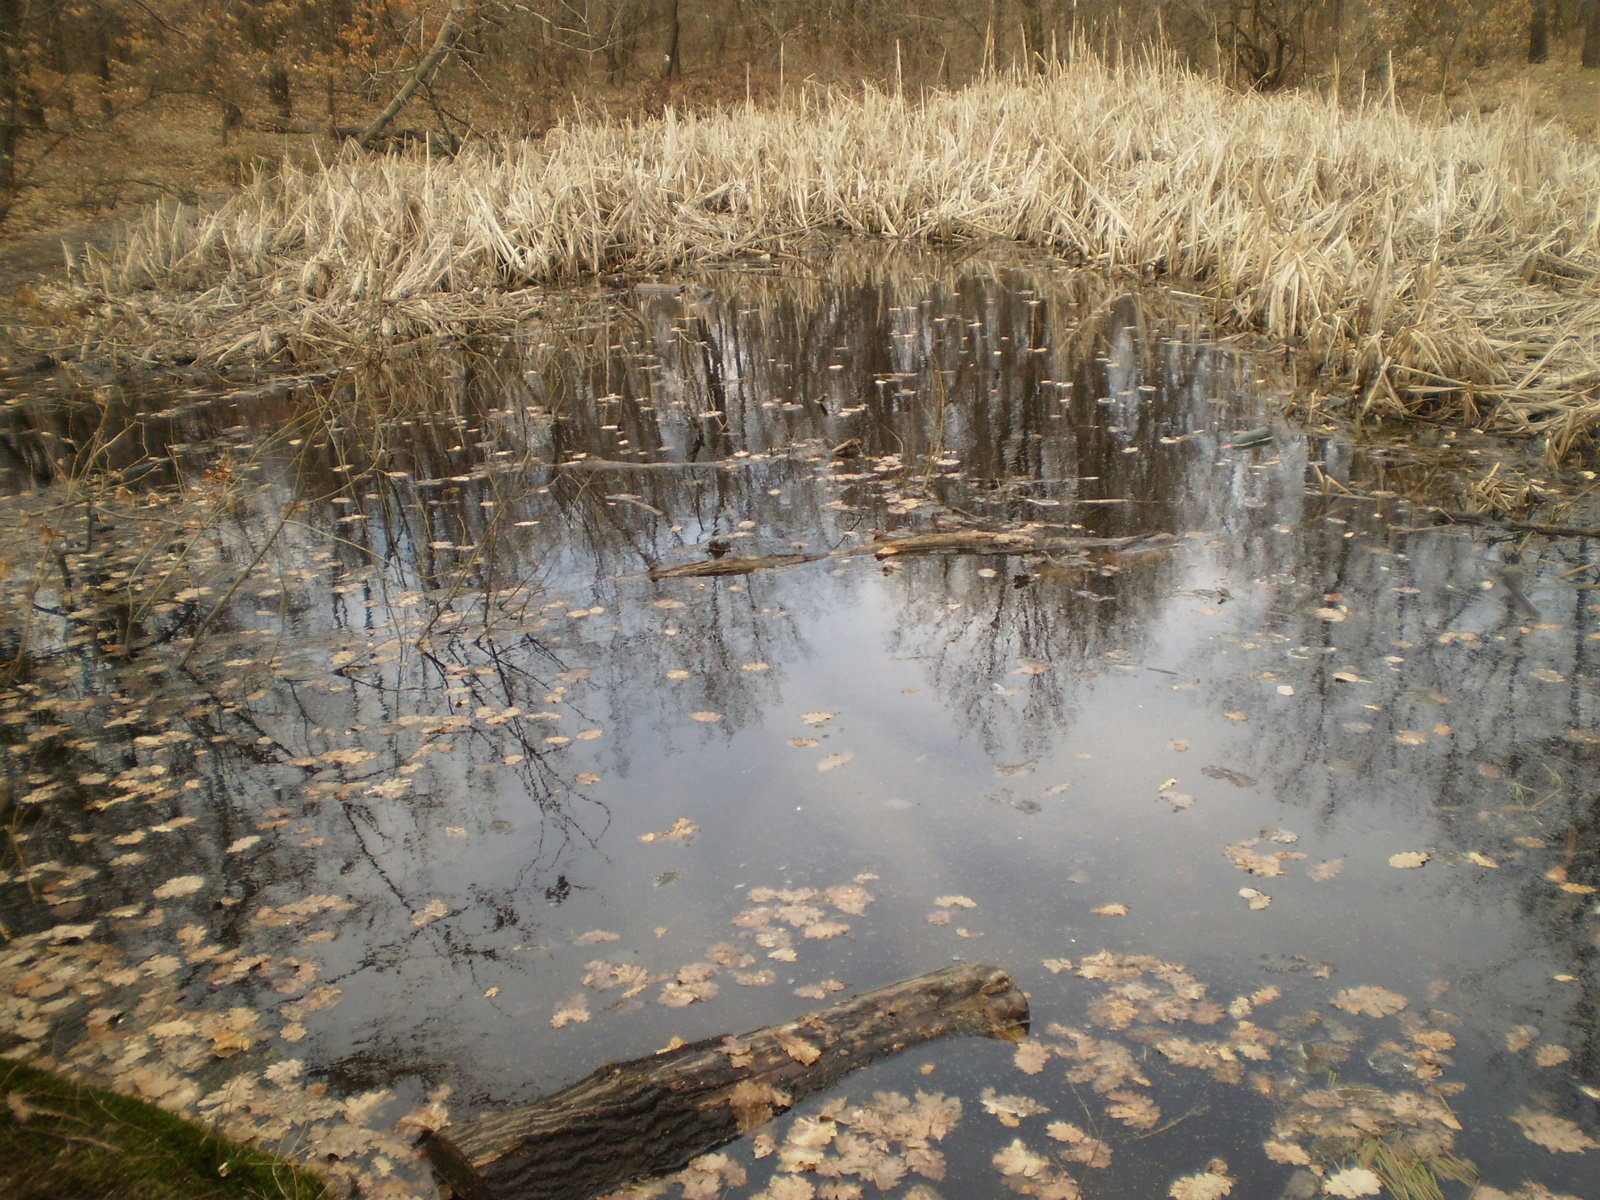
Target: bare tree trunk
(674,31)
(448,33)
(1539,33)
(1591,34)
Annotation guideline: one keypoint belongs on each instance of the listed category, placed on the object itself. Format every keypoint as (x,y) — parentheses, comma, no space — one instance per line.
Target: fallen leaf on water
(803,742)
(1325,871)
(594,936)
(1410,737)
(816,718)
(1409,858)
(1009,1110)
(1551,1055)
(1555,1134)
(1133,1109)
(1282,836)
(244,843)
(954,902)
(1257,900)
(574,1008)
(587,779)
(1532,843)
(1371,1001)
(678,673)
(835,760)
(1520,1037)
(1236,716)
(754,666)
(1353,1182)
(762,978)
(1057,965)
(431,911)
(1286,1153)
(179,885)
(1207,1185)
(1233,777)
(938,918)
(683,827)
(1030,666)
(705,716)
(1031,1056)
(1243,856)
(826,929)
(1017,1159)
(1110,910)
(1331,615)
(1545,675)
(850,898)
(589,735)
(1482,860)
(1286,689)
(1578,889)
(819,991)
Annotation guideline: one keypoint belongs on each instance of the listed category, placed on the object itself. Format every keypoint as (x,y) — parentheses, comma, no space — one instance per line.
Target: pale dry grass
(1389,249)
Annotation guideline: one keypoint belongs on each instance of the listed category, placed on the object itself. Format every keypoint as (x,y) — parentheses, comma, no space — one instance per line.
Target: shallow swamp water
(400,742)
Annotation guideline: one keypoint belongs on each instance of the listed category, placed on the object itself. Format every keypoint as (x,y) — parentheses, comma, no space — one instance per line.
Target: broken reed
(1388,248)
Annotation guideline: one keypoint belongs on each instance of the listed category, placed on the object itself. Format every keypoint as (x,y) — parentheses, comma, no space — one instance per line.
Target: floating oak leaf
(683,827)
(826,929)
(1352,1182)
(816,718)
(179,885)
(587,779)
(1031,1056)
(595,936)
(431,911)
(1206,1185)
(1551,1055)
(1555,1134)
(1325,871)
(1009,1110)
(1287,1153)
(1370,1001)
(1408,858)
(705,716)
(1256,900)
(1133,1109)
(797,1048)
(1057,965)
(1246,858)
(849,897)
(762,978)
(954,902)
(1017,1159)
(1110,910)
(573,1008)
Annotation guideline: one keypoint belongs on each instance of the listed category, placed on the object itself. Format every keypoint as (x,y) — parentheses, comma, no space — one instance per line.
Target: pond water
(366,764)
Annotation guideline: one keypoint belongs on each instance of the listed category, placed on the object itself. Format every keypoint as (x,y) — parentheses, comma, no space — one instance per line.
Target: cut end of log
(1007,1007)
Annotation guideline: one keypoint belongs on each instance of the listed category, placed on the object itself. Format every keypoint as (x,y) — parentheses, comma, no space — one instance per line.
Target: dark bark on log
(652,1115)
(1544,527)
(960,541)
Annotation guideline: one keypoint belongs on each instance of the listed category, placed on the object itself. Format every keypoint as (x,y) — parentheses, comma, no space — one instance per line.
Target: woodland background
(112,102)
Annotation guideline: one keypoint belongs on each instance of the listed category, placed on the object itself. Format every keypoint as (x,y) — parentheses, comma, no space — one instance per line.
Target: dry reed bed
(1389,247)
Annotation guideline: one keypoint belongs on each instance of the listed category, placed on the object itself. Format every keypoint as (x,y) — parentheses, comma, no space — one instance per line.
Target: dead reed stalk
(1392,250)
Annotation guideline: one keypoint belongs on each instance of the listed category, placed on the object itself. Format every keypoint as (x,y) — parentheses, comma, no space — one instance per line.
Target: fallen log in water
(956,541)
(652,1115)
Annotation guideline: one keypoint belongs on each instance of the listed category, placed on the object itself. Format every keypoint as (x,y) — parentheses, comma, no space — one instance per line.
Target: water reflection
(379,656)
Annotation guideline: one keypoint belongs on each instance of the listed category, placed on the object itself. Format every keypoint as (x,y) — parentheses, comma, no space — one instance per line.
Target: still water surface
(392,807)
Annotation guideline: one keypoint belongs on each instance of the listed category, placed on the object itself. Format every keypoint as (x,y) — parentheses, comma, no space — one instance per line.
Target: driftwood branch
(448,33)
(652,1115)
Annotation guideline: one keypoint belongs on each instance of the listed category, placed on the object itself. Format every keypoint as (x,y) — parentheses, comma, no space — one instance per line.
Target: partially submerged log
(731,565)
(652,1115)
